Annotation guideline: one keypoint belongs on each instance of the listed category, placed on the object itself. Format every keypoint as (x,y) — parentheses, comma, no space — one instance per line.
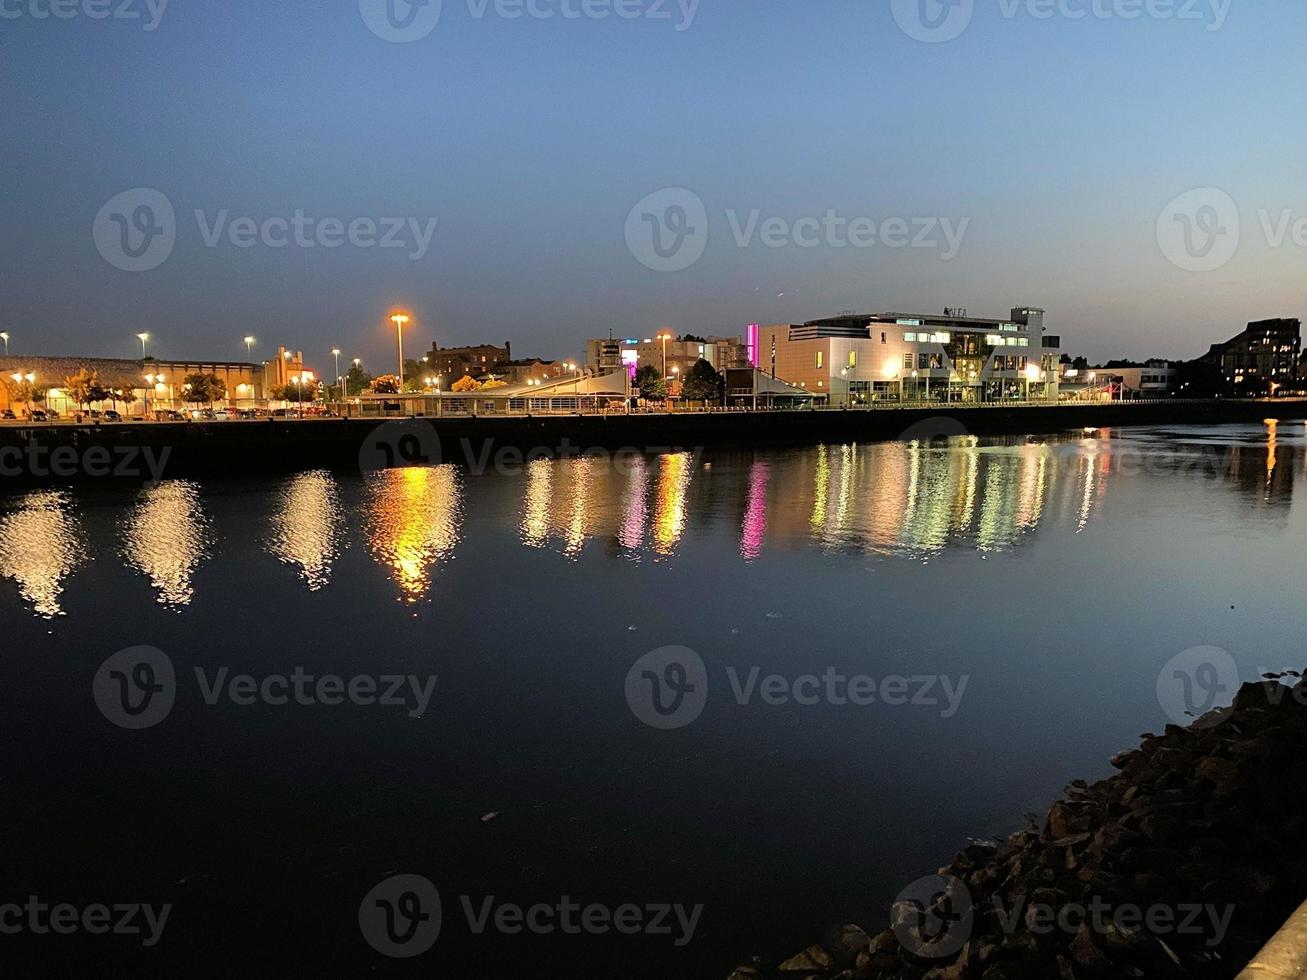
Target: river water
(879,651)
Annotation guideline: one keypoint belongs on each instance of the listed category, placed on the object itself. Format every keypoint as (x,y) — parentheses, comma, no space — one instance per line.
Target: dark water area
(1041,584)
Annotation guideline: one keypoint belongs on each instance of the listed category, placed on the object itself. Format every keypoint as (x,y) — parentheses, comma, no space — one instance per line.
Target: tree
(651,384)
(465,384)
(204,388)
(385,384)
(291,392)
(23,392)
(494,383)
(84,388)
(124,395)
(703,383)
(357,380)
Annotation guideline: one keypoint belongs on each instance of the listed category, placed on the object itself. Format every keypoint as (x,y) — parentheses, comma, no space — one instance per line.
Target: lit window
(821,357)
(910,338)
(853,358)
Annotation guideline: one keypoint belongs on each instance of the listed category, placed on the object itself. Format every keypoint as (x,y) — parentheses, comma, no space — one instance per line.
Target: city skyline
(516,219)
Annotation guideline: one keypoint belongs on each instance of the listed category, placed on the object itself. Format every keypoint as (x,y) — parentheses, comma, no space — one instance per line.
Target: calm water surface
(1056,576)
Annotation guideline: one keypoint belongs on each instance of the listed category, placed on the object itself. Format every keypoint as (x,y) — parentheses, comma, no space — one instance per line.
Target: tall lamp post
(340,382)
(664,337)
(399,319)
(142,337)
(4,335)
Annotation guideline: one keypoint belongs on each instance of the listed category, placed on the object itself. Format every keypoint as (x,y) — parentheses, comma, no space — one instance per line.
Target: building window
(821,356)
(853,358)
(882,336)
(907,362)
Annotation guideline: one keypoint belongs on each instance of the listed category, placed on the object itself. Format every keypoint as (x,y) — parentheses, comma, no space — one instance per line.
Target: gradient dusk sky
(1060,140)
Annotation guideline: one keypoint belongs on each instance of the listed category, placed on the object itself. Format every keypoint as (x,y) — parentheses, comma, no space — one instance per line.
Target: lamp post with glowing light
(4,335)
(143,337)
(399,319)
(340,381)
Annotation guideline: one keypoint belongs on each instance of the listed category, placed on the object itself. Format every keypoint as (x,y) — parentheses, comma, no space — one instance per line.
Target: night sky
(1060,141)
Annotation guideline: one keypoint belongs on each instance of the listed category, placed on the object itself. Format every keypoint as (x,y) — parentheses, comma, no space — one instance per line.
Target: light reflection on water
(40,545)
(412,523)
(306,528)
(166,538)
(883,501)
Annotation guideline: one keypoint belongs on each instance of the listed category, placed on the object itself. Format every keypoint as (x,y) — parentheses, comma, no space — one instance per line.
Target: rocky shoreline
(1181,865)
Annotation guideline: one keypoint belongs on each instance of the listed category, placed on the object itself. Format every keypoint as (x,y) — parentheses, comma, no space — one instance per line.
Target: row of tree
(702,383)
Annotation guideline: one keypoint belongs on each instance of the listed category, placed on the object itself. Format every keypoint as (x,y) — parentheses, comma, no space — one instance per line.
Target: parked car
(8,415)
(38,416)
(248,413)
(112,416)
(54,416)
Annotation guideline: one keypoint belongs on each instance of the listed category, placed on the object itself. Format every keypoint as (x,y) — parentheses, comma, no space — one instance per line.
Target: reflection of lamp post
(399,319)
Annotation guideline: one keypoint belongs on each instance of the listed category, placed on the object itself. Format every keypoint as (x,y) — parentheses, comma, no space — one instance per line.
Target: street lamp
(142,337)
(399,319)
(340,382)
(4,335)
(249,345)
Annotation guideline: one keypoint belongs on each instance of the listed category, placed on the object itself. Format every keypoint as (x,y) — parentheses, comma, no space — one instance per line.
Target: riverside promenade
(41,453)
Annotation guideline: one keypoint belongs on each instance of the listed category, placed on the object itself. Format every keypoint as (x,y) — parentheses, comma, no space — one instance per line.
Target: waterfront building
(723,353)
(854,359)
(1262,358)
(527,370)
(452,363)
(153,383)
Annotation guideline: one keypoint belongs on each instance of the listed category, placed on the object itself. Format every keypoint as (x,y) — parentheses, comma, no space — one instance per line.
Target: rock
(853,940)
(813,958)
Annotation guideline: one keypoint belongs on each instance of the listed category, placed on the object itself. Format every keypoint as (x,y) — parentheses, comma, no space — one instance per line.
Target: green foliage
(703,383)
(203,388)
(385,384)
(649,381)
